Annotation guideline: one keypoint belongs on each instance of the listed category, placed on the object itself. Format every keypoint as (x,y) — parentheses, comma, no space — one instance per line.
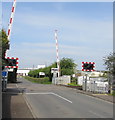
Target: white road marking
(62,97)
(10,87)
(16,85)
(45,93)
(50,93)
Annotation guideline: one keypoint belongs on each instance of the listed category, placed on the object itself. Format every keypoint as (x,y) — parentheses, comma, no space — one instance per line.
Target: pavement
(14,103)
(102,96)
(105,97)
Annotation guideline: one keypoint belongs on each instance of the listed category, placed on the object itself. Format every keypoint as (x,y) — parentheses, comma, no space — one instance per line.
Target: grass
(113,94)
(73,84)
(44,80)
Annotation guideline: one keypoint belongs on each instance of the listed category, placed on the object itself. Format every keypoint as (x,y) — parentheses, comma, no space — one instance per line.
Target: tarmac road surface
(51,101)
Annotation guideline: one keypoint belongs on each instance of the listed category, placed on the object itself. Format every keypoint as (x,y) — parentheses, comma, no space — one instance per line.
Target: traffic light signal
(88,66)
(12,62)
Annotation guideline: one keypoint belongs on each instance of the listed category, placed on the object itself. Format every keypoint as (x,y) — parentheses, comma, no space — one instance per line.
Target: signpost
(88,67)
(12,66)
(4,79)
(54,71)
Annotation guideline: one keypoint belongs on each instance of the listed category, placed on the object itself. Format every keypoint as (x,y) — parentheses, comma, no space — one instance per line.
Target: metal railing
(96,87)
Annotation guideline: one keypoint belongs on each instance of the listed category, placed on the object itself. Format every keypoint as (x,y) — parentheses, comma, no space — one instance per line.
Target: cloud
(83,39)
(42,53)
(84,31)
(50,45)
(60,1)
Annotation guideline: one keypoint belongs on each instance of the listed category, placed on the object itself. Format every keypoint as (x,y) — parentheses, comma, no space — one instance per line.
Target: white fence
(63,80)
(96,86)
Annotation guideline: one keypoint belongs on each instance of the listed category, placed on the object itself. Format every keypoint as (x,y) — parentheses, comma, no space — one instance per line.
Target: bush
(44,80)
(73,84)
(74,79)
(67,67)
(113,93)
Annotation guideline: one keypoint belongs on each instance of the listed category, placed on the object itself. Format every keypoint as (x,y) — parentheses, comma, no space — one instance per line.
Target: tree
(67,66)
(4,45)
(109,61)
(46,70)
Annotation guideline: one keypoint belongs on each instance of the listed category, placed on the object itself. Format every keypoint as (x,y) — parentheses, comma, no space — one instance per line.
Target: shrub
(44,80)
(113,93)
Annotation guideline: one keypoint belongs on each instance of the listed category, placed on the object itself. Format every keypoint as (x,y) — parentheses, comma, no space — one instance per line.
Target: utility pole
(86,81)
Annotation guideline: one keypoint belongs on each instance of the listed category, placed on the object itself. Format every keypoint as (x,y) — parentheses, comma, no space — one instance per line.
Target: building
(23,72)
(41,66)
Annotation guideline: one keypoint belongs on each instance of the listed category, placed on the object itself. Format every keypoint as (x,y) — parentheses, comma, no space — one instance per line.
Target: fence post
(86,82)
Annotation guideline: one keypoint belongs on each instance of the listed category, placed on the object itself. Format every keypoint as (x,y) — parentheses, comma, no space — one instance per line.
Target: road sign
(4,73)
(54,70)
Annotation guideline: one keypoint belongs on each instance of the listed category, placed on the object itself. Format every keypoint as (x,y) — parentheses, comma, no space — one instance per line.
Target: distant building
(23,72)
(41,66)
(96,74)
(90,74)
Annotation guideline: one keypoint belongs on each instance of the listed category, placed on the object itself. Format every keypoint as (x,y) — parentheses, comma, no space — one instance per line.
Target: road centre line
(50,93)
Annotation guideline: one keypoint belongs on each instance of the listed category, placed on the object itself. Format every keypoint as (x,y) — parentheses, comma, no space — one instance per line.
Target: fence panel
(97,87)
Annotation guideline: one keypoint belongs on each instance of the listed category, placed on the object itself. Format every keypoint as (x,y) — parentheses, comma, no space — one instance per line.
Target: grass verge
(113,94)
(73,84)
(44,80)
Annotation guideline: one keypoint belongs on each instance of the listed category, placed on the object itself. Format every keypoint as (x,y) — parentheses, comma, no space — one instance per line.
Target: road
(51,101)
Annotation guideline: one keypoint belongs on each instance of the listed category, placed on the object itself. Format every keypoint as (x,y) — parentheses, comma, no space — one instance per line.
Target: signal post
(12,66)
(88,67)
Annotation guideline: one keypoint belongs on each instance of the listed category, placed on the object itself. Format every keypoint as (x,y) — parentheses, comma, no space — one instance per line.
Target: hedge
(44,80)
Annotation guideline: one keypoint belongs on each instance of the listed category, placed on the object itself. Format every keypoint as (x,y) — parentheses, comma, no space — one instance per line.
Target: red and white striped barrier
(11,19)
(16,62)
(9,33)
(10,24)
(57,53)
(88,69)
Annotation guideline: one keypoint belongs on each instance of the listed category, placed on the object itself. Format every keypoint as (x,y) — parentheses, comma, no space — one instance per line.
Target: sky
(85,32)
(59,0)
